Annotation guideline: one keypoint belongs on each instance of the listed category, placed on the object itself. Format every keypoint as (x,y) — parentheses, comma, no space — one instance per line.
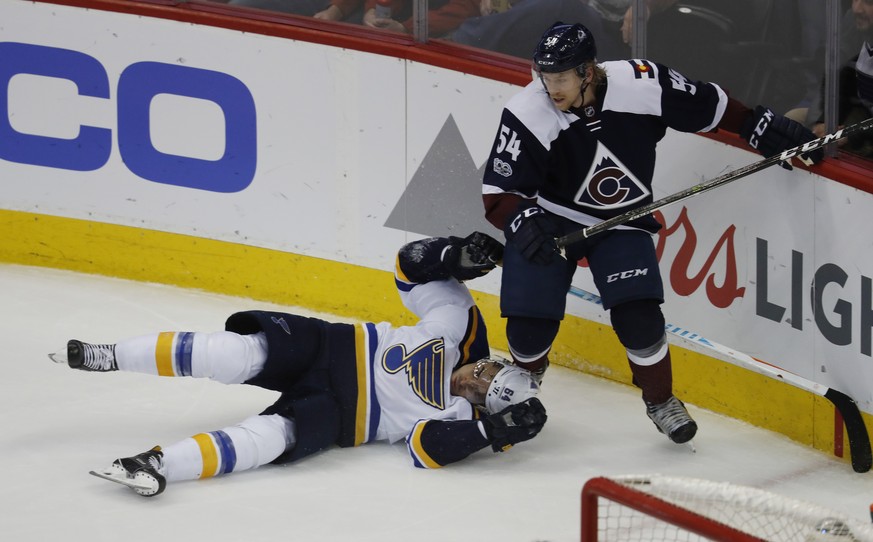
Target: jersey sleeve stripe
(475,343)
(375,413)
(413,442)
(368,411)
(403,283)
(720,108)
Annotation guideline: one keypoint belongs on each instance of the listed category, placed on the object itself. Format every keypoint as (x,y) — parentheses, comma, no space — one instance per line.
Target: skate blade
(113,476)
(60,356)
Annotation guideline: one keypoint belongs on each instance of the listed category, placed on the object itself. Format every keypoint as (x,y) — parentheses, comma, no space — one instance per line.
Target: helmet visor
(471,381)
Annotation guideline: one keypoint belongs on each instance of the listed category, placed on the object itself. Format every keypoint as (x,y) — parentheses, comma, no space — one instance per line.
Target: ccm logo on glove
(763,122)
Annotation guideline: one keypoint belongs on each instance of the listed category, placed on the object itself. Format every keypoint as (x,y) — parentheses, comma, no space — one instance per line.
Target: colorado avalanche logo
(609,184)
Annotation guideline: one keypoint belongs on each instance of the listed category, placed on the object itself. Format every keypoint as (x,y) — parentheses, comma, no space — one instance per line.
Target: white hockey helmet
(511,385)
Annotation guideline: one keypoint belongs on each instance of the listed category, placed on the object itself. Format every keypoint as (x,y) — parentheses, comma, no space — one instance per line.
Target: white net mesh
(759,513)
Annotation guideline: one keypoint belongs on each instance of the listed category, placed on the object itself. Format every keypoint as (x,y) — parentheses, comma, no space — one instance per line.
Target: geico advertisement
(345,155)
(200,131)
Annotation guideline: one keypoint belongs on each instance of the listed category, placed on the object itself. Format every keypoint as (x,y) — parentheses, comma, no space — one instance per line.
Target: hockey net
(668,508)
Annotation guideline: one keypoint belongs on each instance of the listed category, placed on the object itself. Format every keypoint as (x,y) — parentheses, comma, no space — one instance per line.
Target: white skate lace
(156,463)
(99,357)
(669,415)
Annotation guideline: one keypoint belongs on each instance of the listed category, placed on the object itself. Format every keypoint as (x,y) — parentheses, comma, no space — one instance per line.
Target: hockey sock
(653,375)
(256,441)
(530,340)
(222,356)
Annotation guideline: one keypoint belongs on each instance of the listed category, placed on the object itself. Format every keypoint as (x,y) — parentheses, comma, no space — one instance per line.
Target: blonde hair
(598,71)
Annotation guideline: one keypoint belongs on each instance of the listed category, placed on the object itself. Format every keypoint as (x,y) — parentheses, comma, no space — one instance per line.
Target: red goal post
(666,508)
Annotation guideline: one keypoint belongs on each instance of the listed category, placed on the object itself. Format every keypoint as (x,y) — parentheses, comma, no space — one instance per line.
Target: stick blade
(859,439)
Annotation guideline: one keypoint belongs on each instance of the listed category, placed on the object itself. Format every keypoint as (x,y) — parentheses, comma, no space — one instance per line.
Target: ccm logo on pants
(627,274)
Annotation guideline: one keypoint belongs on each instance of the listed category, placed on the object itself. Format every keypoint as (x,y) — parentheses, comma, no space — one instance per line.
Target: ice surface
(58,424)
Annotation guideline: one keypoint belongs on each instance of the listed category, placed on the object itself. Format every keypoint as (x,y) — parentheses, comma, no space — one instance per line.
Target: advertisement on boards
(344,155)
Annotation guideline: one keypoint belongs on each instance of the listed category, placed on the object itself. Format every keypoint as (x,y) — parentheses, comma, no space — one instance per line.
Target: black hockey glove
(533,232)
(514,424)
(771,134)
(473,256)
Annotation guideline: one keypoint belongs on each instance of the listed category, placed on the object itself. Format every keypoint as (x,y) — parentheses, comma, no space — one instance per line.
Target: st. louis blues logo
(609,184)
(424,369)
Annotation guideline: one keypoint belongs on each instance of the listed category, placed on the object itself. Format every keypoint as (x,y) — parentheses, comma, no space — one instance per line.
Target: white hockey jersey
(409,368)
(404,373)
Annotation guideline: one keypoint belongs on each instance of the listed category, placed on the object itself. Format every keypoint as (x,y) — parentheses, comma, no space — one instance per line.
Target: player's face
(564,88)
(471,381)
(863,12)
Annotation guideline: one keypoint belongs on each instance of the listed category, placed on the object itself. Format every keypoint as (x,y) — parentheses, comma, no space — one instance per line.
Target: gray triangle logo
(444,196)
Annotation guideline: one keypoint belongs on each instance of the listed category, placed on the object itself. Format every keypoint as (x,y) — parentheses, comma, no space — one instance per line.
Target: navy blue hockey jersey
(597,162)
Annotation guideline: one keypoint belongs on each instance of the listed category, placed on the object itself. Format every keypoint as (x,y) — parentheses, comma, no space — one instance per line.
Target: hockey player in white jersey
(575,147)
(432,384)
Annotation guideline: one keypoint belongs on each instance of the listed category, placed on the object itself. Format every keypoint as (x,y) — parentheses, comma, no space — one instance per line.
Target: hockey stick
(731,176)
(859,440)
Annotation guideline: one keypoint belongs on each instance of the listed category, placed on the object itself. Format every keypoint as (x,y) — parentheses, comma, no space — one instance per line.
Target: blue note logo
(424,367)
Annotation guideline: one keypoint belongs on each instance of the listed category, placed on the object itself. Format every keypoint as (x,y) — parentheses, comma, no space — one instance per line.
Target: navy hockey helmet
(564,47)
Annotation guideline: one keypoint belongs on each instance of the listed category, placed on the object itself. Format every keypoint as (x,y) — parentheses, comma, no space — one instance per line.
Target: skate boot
(540,373)
(536,373)
(91,357)
(143,473)
(671,418)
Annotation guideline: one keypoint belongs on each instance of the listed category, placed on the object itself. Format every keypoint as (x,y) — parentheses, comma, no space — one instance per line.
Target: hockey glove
(473,256)
(533,232)
(514,424)
(771,134)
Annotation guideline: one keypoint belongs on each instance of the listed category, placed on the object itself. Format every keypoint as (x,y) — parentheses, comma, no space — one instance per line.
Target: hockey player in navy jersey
(575,147)
(432,384)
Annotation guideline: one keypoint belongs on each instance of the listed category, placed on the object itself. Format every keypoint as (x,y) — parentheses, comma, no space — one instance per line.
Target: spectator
(516,30)
(331,10)
(653,7)
(443,16)
(855,102)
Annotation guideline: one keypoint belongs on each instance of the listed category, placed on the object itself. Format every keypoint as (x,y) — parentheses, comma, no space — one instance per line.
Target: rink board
(345,154)
(365,294)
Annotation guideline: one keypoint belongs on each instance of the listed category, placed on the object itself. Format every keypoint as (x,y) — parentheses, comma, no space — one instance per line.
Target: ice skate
(87,357)
(142,473)
(540,373)
(537,374)
(671,418)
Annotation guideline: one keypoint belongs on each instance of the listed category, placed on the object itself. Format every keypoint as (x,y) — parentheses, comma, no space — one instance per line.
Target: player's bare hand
(372,21)
(820,130)
(332,13)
